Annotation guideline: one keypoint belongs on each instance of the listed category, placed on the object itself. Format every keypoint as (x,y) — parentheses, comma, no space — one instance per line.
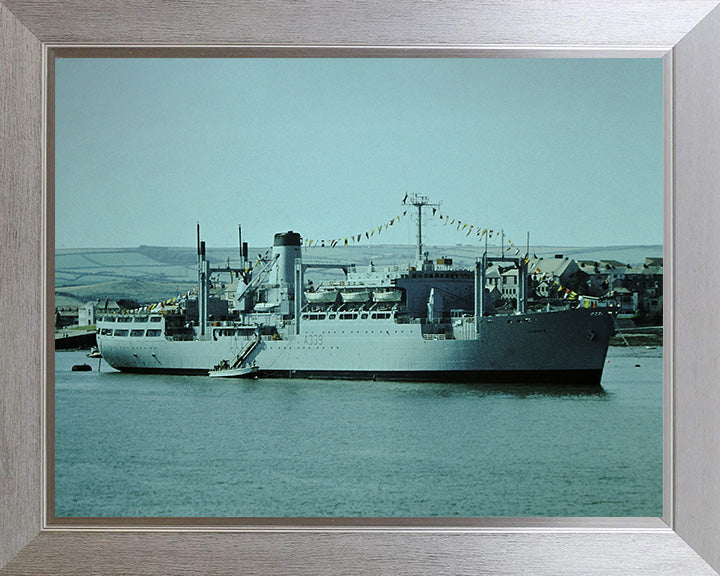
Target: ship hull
(550,377)
(564,347)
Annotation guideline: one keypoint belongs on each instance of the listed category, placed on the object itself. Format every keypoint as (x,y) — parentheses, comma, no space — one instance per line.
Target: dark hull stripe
(530,377)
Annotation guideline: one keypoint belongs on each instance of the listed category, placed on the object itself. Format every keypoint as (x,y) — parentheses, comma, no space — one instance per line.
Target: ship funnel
(286,249)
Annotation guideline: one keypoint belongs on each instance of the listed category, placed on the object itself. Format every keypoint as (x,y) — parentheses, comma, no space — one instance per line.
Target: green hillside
(152,273)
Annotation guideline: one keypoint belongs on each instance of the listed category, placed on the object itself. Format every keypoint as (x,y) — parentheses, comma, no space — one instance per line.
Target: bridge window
(136,333)
(120,333)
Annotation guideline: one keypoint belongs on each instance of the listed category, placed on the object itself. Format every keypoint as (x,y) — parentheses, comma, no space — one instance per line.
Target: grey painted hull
(563,346)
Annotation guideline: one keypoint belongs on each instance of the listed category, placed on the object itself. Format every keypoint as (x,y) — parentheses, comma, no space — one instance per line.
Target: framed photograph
(402,544)
(421,338)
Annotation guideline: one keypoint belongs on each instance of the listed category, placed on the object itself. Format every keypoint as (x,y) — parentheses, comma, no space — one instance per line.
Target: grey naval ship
(427,321)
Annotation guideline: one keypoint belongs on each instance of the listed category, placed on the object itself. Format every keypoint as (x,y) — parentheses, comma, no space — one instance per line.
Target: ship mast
(419,201)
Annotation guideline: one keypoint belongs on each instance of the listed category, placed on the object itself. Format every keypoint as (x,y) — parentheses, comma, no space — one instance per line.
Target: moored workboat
(244,372)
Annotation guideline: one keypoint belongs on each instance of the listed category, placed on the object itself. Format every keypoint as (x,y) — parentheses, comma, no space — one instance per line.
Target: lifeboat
(356,296)
(387,295)
(322,296)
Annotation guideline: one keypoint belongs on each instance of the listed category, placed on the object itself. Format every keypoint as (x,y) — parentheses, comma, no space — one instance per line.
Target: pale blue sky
(569,149)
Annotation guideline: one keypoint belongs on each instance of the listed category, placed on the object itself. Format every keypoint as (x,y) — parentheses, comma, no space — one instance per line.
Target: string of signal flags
(467,228)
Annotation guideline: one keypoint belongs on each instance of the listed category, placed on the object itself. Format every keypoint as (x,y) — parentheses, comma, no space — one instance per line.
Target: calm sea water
(137,445)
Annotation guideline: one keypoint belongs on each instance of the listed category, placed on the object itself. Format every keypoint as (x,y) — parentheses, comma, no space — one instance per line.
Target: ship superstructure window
(120,333)
(348,316)
(106,332)
(155,318)
(380,315)
(313,316)
(225,332)
(152,333)
(137,333)
(124,319)
(141,318)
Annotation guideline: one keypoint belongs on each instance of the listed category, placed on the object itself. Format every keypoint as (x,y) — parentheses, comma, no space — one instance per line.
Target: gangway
(236,369)
(245,352)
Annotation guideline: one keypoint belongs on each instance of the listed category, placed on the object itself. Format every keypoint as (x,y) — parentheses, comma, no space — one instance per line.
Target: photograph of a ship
(418,248)
(426,321)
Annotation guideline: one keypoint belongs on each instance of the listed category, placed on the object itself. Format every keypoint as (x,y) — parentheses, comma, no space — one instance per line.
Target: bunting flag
(445,218)
(355,238)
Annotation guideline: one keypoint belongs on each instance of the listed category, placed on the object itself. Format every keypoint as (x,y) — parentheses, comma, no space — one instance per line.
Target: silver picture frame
(685,33)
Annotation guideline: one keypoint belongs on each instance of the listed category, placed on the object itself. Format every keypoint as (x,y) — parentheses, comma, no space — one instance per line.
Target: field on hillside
(152,273)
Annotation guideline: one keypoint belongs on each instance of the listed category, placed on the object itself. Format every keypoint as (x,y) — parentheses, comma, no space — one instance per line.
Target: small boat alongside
(243,372)
(94,353)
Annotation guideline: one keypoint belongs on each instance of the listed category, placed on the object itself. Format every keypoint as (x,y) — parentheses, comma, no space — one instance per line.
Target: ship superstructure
(425,321)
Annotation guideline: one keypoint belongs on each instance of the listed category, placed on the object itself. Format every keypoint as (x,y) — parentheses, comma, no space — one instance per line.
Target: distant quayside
(428,321)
